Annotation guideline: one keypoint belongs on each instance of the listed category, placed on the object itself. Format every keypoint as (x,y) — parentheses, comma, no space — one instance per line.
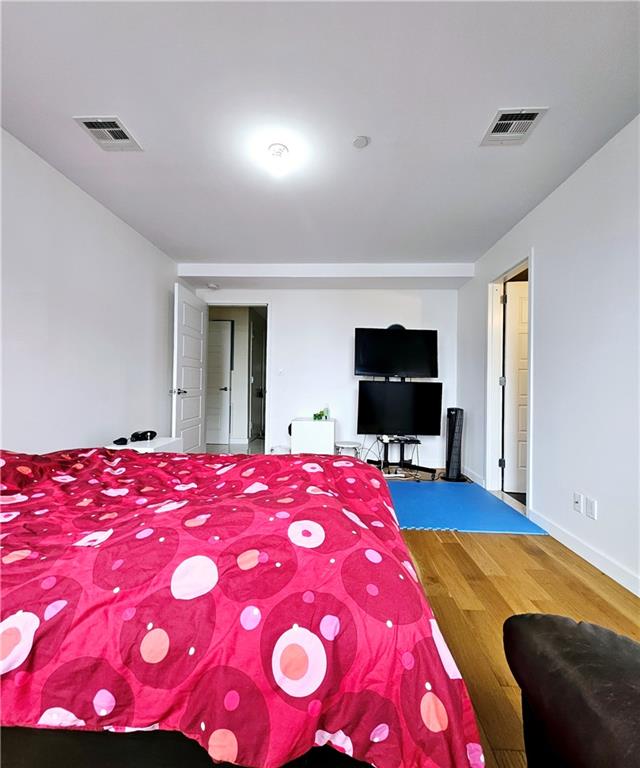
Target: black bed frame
(49,748)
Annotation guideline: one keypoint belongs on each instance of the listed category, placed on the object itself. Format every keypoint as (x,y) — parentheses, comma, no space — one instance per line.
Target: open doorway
(515,391)
(236,379)
(508,392)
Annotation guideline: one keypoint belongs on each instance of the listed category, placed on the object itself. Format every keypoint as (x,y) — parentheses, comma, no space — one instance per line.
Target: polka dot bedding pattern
(259,604)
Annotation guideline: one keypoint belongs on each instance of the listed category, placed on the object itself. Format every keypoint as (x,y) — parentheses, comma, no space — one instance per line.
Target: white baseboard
(604,563)
(473,476)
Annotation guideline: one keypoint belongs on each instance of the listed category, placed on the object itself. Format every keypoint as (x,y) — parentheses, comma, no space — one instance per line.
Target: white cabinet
(310,436)
(157,445)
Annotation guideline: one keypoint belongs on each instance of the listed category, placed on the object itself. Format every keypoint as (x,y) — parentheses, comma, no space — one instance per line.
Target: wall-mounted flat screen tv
(396,352)
(399,408)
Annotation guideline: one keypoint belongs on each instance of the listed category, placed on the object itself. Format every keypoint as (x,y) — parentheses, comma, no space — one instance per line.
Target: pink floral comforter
(258,604)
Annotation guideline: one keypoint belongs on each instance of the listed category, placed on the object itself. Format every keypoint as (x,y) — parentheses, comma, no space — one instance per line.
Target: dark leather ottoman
(58,748)
(580,692)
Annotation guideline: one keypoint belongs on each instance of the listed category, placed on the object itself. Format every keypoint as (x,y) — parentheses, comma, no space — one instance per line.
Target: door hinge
(502,463)
(503,298)
(502,381)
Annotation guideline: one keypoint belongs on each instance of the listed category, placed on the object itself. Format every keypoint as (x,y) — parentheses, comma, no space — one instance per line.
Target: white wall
(86,315)
(585,335)
(240,373)
(310,348)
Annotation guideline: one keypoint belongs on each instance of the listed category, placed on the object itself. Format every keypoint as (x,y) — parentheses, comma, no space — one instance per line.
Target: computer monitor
(399,408)
(396,352)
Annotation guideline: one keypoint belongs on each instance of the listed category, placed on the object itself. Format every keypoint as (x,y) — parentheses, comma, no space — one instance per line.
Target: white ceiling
(193,80)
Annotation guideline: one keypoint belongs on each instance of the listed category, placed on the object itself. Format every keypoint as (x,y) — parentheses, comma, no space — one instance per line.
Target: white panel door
(219,381)
(516,394)
(189,369)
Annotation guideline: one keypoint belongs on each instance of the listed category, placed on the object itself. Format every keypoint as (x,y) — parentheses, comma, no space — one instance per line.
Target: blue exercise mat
(466,507)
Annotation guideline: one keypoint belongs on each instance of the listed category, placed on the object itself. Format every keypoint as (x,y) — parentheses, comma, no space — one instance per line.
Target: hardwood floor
(475,581)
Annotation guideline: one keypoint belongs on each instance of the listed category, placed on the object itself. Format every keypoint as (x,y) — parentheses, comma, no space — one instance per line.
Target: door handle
(223,389)
(178,391)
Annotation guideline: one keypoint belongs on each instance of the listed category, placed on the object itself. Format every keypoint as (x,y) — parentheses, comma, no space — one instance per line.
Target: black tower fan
(453,471)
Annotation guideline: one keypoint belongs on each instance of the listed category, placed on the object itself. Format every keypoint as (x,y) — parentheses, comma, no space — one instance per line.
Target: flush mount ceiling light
(278,151)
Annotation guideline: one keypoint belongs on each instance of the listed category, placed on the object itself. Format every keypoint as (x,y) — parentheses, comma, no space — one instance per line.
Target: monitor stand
(402,441)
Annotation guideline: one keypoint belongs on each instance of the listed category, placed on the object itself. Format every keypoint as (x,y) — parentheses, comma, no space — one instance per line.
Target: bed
(261,606)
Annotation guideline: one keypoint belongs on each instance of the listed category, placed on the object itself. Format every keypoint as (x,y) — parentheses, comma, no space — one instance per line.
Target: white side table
(312,436)
(157,445)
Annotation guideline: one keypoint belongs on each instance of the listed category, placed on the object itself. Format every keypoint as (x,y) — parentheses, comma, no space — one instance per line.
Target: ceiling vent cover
(512,126)
(109,133)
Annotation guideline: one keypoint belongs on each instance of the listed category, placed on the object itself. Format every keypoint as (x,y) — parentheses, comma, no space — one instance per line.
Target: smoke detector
(512,126)
(109,133)
(360,142)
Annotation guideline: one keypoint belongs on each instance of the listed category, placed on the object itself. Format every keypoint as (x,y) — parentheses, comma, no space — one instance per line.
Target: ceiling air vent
(109,133)
(512,126)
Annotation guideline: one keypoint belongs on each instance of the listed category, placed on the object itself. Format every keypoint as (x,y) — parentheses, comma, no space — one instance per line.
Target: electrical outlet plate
(578,503)
(591,508)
